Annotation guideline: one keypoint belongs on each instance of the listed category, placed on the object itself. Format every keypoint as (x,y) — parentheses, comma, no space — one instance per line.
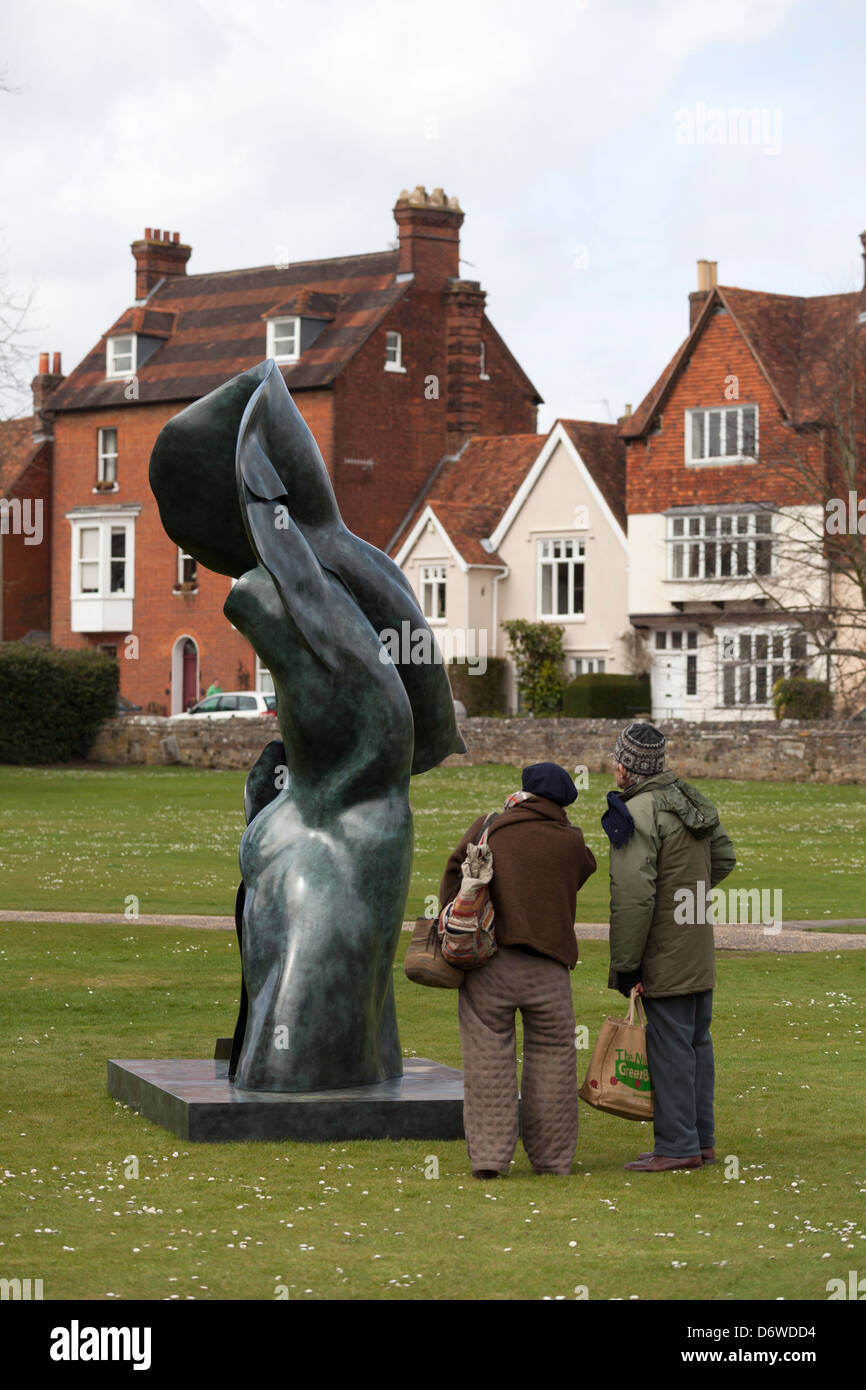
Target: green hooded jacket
(678,843)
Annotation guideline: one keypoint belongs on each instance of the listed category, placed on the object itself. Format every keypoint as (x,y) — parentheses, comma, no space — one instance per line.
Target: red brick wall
(387,416)
(657,475)
(27,568)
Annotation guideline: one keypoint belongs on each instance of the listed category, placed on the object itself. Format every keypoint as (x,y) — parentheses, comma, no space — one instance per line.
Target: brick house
(727,478)
(525,526)
(390,358)
(26,448)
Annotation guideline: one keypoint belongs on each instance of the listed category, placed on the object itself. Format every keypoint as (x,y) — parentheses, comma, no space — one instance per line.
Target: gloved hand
(626,981)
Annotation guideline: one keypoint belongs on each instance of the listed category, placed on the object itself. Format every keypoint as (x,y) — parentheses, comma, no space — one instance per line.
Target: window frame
(395,364)
(787,661)
(182,579)
(701,538)
(543,562)
(431,577)
(272,335)
(103,454)
(719,460)
(104,525)
(112,371)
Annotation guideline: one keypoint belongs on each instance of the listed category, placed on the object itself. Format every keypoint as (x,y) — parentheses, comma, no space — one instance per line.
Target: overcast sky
(590,143)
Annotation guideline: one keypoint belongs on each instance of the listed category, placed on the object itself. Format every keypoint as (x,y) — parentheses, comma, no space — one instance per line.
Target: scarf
(617,822)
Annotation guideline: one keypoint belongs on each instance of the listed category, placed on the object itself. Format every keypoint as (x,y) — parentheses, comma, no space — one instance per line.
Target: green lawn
(88,839)
(361,1220)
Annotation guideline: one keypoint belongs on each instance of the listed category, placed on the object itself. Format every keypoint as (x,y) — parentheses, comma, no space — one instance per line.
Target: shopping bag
(618,1079)
(424,963)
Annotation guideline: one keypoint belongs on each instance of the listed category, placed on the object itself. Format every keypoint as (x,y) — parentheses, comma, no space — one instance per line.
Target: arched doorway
(184,674)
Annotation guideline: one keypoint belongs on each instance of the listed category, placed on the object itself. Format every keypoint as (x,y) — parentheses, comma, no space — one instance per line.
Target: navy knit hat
(641,750)
(550,781)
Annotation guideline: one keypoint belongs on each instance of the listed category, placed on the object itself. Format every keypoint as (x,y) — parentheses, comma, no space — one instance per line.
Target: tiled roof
(216,327)
(792,338)
(16,451)
(603,452)
(470,494)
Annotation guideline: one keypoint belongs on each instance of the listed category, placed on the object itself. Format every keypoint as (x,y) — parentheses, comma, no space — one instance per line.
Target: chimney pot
(55,365)
(43,364)
(160,254)
(429,236)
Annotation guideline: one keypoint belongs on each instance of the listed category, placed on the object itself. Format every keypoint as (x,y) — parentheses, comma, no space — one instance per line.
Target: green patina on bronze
(327,854)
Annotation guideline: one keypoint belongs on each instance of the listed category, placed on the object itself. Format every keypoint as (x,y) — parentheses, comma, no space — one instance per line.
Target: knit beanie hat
(550,781)
(641,750)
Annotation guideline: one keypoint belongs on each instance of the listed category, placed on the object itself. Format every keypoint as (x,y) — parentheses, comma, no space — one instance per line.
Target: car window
(271,702)
(205,706)
(246,702)
(228,702)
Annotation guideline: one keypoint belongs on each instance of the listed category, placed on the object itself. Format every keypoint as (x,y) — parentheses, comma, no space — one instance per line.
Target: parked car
(125,706)
(233,704)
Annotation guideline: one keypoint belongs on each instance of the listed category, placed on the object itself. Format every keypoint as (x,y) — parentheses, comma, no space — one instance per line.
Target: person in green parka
(668,849)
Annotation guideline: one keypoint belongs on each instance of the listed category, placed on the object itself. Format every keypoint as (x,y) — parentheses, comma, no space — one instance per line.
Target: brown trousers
(540,987)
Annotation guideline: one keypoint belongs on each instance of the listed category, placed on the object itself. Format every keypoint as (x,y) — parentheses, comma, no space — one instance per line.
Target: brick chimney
(706,283)
(42,386)
(157,255)
(429,231)
(464,310)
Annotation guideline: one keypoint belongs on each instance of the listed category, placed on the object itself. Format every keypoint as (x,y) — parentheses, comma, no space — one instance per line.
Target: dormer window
(394,352)
(284,339)
(120,356)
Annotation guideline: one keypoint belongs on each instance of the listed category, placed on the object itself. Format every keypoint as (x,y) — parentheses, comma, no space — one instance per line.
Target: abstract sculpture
(327,853)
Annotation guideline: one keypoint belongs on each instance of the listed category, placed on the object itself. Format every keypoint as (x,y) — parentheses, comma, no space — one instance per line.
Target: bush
(482,694)
(53,703)
(538,655)
(799,698)
(605,696)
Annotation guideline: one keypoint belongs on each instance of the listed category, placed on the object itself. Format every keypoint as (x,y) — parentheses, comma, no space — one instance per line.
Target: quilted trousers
(540,988)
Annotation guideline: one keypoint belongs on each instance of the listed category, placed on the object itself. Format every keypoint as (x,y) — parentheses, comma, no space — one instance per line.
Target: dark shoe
(708,1155)
(485,1173)
(661,1163)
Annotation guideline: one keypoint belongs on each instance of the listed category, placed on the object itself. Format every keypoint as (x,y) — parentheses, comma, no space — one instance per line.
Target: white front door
(674,672)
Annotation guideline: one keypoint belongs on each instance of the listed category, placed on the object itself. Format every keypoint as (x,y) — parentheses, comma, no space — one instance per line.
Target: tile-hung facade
(726,546)
(391,360)
(529,527)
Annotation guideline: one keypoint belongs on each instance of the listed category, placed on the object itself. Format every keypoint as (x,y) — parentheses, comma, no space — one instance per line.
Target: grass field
(779,1219)
(87,839)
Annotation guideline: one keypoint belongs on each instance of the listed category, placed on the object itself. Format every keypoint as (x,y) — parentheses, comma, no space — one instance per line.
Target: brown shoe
(708,1155)
(661,1163)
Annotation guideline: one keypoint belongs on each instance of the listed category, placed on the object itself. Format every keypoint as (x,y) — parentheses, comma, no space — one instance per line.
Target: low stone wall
(788,751)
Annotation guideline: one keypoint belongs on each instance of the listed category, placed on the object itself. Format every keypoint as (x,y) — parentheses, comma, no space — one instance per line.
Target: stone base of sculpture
(196,1101)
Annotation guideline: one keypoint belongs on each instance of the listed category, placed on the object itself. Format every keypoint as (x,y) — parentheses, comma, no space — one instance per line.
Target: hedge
(602,695)
(799,698)
(53,702)
(482,693)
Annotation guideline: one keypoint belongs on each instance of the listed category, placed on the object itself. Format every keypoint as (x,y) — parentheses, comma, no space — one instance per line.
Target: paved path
(728,938)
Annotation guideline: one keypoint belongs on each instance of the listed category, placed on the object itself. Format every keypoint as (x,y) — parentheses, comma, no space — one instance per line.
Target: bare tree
(818,566)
